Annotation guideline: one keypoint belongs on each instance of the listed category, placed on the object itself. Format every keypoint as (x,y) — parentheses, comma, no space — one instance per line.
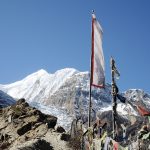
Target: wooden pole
(91,72)
(114,98)
(90,108)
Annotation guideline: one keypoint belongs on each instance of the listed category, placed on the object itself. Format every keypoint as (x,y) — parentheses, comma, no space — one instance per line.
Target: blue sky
(55,34)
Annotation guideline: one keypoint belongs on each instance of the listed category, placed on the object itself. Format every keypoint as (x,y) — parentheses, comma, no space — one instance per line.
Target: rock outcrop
(23,127)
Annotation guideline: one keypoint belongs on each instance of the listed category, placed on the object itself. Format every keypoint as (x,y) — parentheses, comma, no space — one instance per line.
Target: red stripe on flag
(142,111)
(99,86)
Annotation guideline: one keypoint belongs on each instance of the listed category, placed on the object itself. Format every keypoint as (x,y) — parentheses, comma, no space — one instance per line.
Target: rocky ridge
(25,128)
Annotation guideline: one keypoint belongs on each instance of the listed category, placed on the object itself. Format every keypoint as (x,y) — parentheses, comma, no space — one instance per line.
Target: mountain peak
(67,71)
(41,72)
(37,74)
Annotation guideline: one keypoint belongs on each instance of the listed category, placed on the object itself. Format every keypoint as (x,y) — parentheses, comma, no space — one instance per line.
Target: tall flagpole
(90,107)
(114,97)
(91,72)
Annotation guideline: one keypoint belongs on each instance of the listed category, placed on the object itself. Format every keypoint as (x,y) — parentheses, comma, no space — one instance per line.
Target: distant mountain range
(66,94)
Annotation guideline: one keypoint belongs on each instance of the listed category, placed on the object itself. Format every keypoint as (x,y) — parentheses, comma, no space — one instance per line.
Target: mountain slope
(66,92)
(5,99)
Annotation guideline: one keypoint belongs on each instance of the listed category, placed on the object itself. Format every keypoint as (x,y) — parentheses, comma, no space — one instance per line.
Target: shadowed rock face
(5,100)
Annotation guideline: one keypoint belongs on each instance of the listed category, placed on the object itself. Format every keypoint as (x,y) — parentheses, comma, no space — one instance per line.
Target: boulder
(60,129)
(20,101)
(24,128)
(51,121)
(65,137)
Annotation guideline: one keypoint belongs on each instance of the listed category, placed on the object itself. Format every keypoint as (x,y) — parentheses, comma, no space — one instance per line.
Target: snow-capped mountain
(66,88)
(66,92)
(38,86)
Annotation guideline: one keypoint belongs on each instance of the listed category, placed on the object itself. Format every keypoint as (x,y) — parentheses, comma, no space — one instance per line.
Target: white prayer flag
(97,58)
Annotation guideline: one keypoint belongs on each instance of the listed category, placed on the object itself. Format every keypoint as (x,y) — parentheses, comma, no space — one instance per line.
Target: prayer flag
(97,57)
